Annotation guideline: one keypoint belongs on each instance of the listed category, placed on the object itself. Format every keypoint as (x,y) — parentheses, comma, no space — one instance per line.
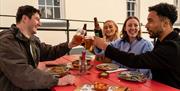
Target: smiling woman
(132,42)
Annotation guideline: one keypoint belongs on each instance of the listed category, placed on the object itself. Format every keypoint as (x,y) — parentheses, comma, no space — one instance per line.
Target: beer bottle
(97,28)
(85,29)
(84,33)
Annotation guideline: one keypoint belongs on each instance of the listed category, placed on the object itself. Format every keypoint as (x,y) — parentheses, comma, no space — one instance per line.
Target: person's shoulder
(117,41)
(6,34)
(146,41)
(175,42)
(175,38)
(7,38)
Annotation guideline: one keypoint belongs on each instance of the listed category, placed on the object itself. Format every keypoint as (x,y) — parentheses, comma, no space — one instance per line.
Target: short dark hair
(26,10)
(165,10)
(124,34)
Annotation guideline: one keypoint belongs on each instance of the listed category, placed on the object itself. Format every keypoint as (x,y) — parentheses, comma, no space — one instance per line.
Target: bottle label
(83,62)
(98,33)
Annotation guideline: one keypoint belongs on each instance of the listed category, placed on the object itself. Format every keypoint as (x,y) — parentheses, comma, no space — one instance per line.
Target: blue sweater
(136,47)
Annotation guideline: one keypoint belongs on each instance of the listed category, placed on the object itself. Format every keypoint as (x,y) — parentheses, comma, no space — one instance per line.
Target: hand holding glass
(79,35)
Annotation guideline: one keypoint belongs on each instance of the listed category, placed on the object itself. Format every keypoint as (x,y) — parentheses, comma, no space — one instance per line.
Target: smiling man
(164,59)
(21,51)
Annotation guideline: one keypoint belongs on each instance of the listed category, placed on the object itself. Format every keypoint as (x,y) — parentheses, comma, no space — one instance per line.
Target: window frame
(54,23)
(61,8)
(176,3)
(131,9)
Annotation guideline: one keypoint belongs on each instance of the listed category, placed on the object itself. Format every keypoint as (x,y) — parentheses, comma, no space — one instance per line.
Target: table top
(92,76)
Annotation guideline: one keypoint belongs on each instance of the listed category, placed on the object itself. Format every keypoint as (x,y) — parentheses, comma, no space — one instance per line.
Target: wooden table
(149,85)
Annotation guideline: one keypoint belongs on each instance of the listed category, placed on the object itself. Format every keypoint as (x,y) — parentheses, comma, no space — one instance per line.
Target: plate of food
(107,66)
(132,76)
(58,70)
(103,74)
(99,86)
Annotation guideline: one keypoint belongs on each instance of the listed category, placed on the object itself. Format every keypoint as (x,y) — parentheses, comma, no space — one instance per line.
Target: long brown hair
(124,34)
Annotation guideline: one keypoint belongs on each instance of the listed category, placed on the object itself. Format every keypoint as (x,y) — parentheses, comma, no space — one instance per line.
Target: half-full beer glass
(88,40)
(79,35)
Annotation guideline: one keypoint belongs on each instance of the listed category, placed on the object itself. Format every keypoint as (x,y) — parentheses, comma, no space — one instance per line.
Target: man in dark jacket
(20,52)
(164,60)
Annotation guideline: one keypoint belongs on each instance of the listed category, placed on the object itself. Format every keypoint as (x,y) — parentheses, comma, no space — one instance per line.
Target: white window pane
(132,7)
(57,12)
(132,13)
(56,3)
(128,5)
(42,10)
(49,2)
(49,12)
(51,8)
(129,14)
(41,2)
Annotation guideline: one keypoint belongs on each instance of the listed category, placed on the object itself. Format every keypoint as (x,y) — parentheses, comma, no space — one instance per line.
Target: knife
(119,69)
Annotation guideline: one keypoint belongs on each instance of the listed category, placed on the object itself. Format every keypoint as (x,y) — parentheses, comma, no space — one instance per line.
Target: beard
(155,33)
(32,30)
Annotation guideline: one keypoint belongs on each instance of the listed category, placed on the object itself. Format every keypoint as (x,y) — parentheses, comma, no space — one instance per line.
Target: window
(51,13)
(176,3)
(52,9)
(131,7)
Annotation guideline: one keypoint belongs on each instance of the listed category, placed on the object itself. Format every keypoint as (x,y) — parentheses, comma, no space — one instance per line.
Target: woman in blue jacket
(132,42)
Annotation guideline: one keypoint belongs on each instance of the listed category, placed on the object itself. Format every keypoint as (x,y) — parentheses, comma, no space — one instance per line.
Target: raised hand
(100,43)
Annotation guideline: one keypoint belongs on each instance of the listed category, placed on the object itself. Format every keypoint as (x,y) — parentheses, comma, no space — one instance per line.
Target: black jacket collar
(18,34)
(170,36)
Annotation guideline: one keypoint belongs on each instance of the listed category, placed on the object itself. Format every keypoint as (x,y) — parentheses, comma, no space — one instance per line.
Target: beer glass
(88,40)
(79,35)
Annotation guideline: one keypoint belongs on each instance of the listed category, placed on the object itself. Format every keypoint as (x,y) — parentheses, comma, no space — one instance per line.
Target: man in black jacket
(164,60)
